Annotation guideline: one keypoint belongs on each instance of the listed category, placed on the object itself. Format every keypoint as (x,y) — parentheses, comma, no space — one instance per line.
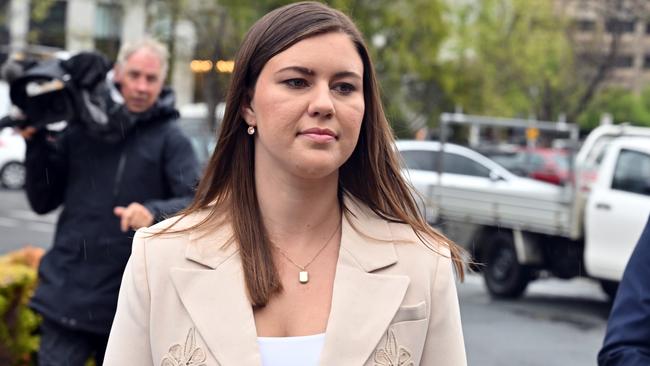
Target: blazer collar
(366,237)
(363,302)
(211,248)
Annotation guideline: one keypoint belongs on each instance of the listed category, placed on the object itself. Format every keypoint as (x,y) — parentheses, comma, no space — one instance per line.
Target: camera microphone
(11,70)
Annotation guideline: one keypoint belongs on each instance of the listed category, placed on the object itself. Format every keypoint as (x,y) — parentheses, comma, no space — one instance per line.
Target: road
(20,226)
(555,323)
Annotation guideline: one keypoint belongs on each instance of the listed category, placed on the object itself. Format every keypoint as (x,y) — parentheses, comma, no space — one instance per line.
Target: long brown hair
(371,174)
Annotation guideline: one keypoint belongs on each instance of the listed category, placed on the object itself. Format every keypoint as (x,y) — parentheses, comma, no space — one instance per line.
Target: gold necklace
(303,277)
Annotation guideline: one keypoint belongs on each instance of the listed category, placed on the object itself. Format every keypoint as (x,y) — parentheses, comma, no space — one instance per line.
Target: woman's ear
(248,112)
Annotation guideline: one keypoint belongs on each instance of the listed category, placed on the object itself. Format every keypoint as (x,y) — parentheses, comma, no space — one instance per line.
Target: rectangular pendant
(304,277)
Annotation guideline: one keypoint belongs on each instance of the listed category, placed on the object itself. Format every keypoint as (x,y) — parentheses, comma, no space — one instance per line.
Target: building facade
(77,25)
(594,25)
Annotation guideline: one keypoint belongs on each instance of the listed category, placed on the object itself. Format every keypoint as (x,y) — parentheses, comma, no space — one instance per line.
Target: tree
(220,27)
(509,58)
(405,37)
(623,105)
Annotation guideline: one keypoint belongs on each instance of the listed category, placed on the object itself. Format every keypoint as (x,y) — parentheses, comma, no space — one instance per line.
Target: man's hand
(27,133)
(134,216)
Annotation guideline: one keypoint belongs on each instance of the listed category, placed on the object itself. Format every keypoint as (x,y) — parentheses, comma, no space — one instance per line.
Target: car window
(506,160)
(420,159)
(537,161)
(457,164)
(632,172)
(597,152)
(562,161)
(531,161)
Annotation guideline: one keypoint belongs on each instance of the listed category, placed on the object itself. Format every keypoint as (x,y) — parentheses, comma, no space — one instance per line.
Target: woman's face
(307,107)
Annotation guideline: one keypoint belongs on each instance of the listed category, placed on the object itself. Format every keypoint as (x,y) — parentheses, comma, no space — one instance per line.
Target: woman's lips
(319,135)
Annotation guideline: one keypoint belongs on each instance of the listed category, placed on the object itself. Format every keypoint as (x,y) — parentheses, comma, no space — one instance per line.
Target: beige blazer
(183,301)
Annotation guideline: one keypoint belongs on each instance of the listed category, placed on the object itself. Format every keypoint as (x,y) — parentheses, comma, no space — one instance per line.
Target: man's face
(141,80)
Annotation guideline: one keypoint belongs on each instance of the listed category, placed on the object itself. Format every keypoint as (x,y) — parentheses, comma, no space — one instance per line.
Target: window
(108,28)
(457,164)
(4,30)
(562,161)
(532,161)
(421,159)
(584,25)
(624,61)
(620,26)
(48,30)
(646,62)
(453,163)
(632,172)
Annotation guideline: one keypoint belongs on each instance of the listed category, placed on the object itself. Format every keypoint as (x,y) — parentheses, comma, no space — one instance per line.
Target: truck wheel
(504,276)
(610,288)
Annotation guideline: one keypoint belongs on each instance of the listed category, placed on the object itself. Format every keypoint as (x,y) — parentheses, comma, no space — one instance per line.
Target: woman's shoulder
(404,232)
(418,244)
(177,224)
(201,237)
(174,231)
(407,239)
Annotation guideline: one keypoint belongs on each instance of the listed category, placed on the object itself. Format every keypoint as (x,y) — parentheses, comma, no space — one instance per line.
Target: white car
(469,180)
(12,157)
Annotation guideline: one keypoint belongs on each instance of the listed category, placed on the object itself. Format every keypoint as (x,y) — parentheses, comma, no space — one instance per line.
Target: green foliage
(404,38)
(41,9)
(17,322)
(509,58)
(623,105)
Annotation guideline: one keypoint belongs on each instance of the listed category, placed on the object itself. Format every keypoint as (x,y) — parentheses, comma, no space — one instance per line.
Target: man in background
(109,185)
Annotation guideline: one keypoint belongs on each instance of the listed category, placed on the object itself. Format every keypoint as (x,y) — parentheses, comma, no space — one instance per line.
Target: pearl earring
(251,130)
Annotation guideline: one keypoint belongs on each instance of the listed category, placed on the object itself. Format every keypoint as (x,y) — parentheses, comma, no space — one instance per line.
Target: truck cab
(617,208)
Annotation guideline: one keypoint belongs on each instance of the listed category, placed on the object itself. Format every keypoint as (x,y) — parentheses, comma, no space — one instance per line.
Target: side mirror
(495,177)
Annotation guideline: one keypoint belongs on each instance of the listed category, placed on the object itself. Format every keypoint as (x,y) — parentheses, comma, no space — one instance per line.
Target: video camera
(75,90)
(41,91)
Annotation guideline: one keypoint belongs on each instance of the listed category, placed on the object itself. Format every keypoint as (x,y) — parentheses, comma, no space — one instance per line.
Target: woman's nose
(321,103)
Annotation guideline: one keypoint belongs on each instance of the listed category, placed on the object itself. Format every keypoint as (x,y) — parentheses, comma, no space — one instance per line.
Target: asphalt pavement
(555,323)
(20,226)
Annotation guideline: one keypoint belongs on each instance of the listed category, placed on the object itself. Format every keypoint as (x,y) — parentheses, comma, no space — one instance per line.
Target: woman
(303,245)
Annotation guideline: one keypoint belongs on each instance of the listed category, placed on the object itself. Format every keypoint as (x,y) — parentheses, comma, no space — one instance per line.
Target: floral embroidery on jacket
(392,354)
(189,355)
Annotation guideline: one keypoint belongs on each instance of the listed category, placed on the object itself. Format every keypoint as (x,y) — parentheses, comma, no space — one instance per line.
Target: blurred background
(568,65)
(575,60)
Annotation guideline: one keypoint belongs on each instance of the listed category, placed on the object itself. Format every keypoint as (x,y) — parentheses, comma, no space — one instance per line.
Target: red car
(545,164)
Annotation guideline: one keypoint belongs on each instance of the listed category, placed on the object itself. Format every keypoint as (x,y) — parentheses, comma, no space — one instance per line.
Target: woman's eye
(296,83)
(345,88)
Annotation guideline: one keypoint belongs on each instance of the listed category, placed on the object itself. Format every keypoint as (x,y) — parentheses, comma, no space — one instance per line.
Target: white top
(291,351)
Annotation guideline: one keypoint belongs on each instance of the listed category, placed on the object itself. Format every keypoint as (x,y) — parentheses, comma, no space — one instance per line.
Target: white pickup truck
(518,229)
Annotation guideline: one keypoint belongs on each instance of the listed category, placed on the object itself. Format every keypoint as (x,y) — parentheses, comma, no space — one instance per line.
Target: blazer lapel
(216,300)
(363,303)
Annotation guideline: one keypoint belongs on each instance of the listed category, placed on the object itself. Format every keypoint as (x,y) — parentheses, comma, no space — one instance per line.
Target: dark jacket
(627,341)
(153,164)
